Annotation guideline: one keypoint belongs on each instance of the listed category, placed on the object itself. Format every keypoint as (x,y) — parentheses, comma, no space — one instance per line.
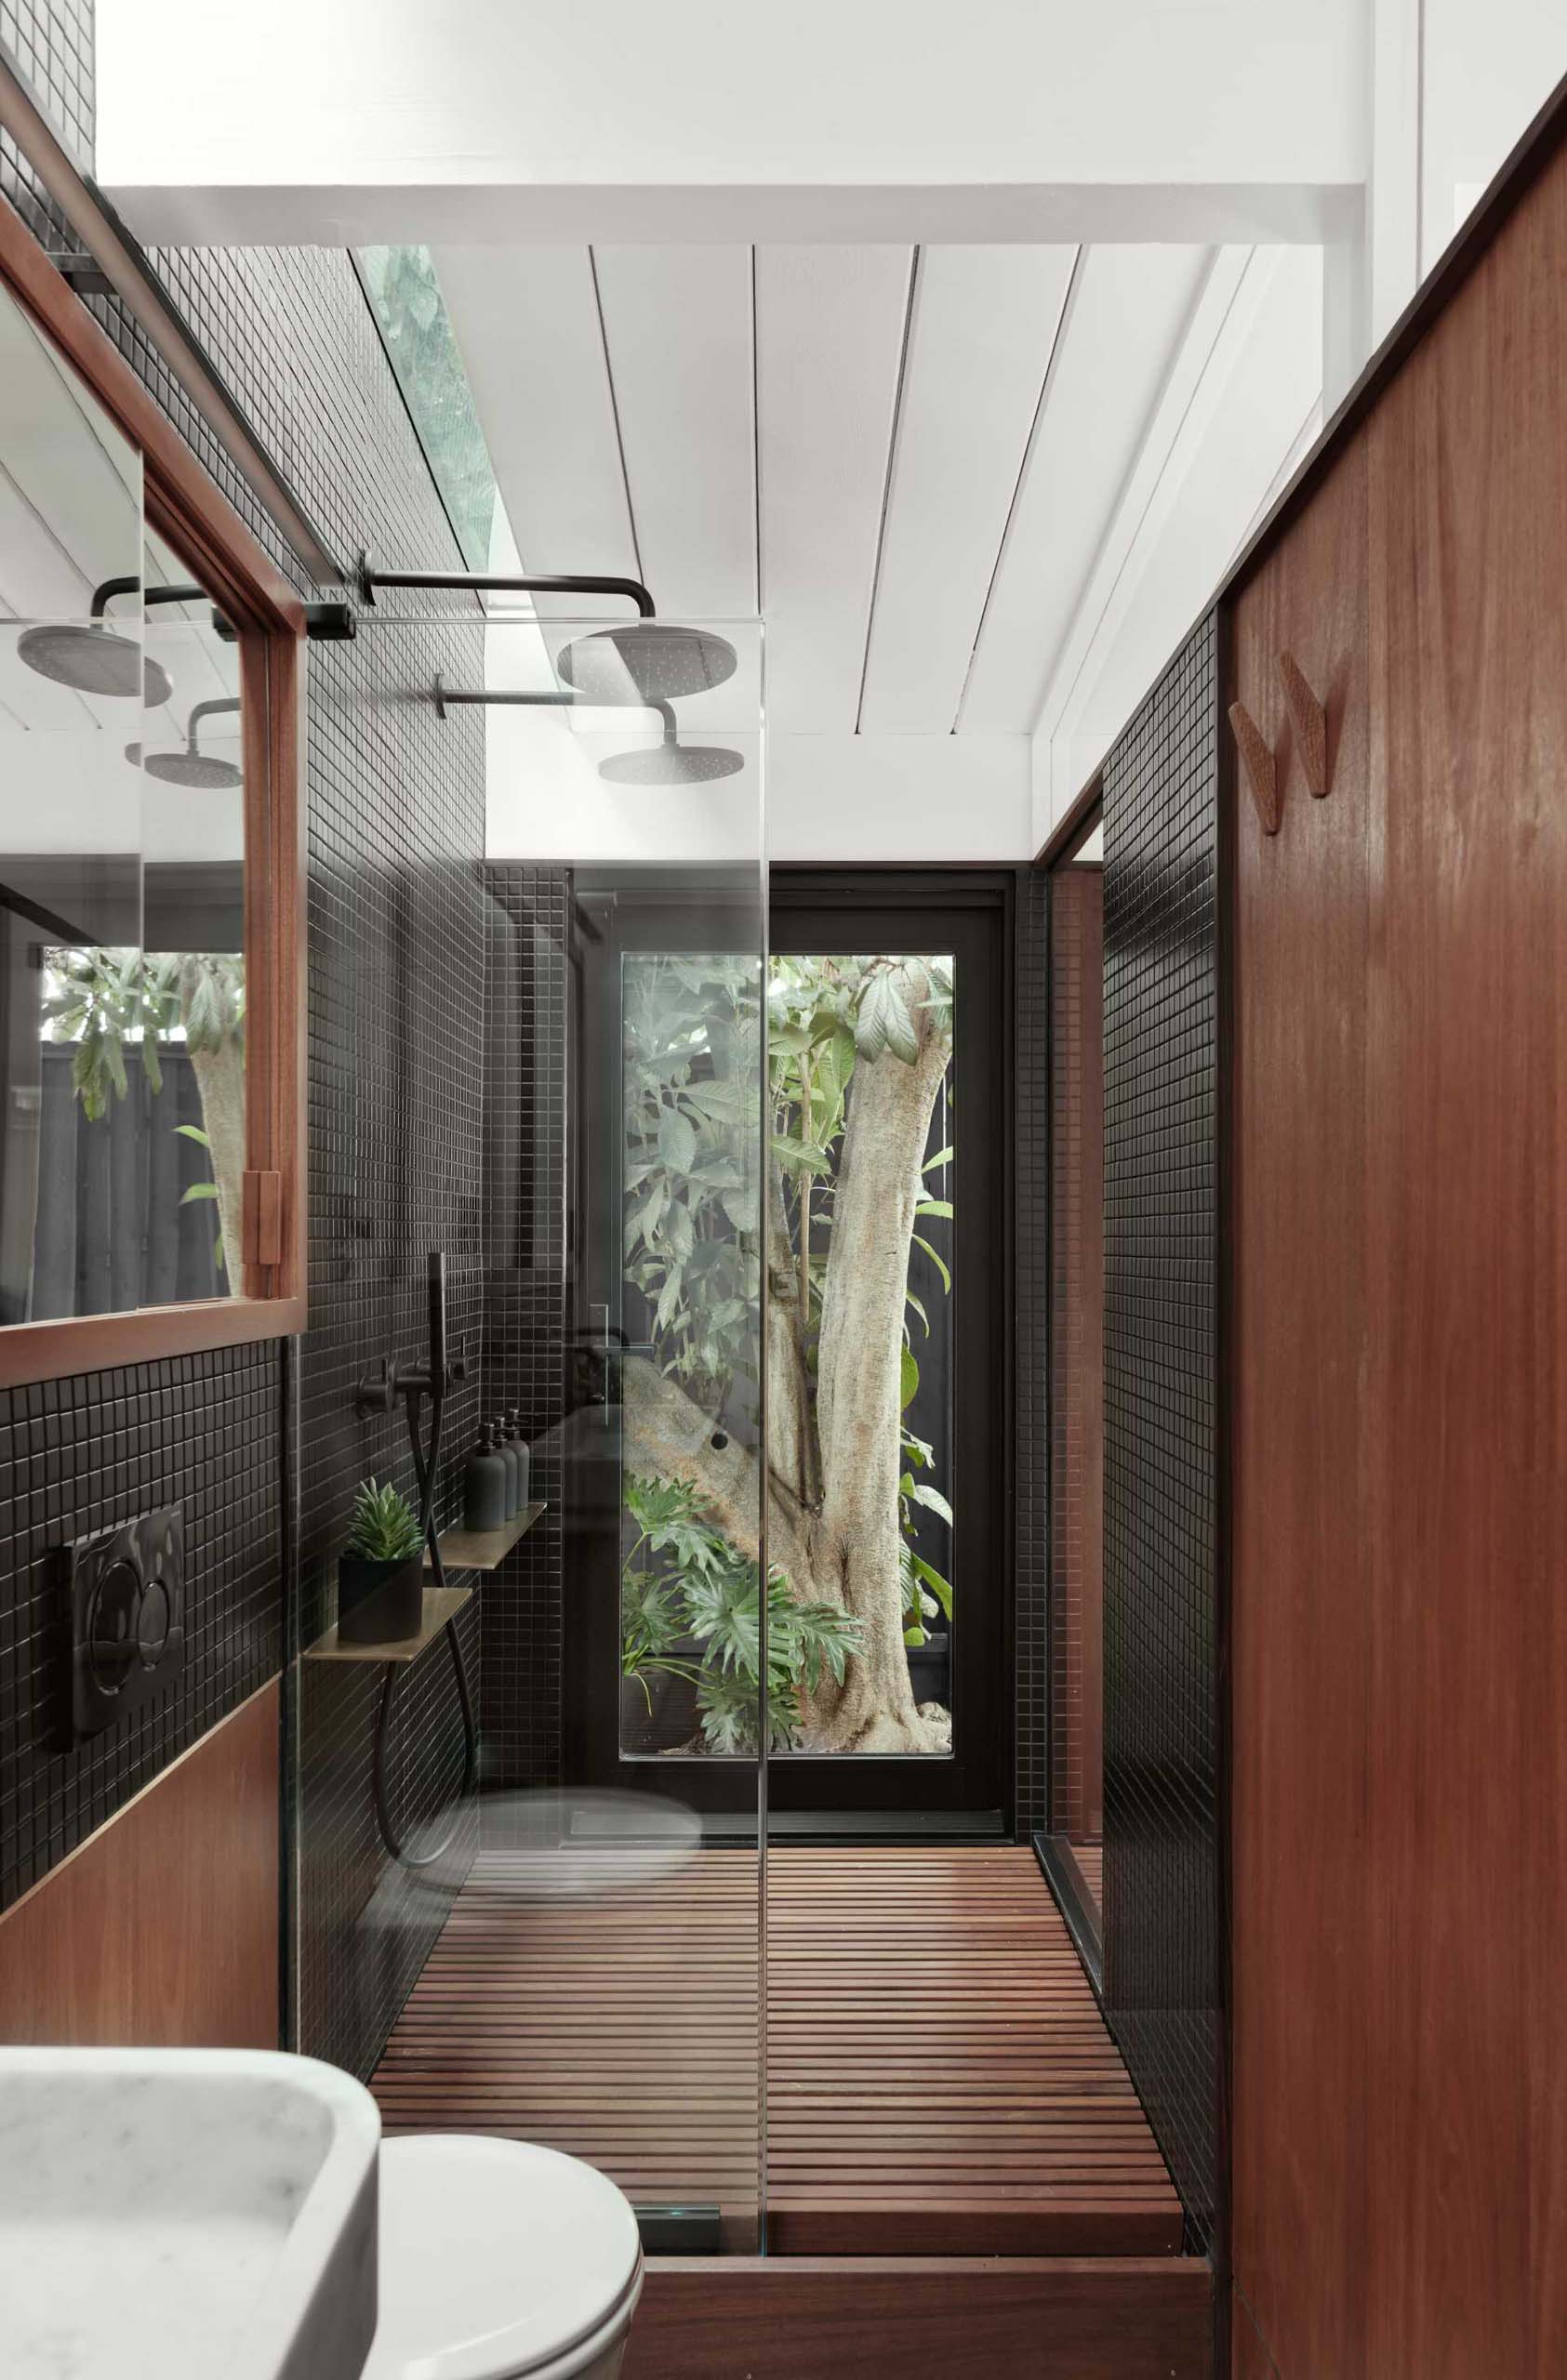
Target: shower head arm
(479,583)
(112,587)
(446,698)
(207,710)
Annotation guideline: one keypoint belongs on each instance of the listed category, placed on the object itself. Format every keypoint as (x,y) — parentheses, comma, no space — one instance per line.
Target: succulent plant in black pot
(381,1575)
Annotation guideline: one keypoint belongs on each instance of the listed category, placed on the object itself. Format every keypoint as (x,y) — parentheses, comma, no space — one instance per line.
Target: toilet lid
(496,2257)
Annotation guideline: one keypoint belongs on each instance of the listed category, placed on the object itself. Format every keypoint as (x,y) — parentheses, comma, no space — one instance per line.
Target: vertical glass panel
(193,809)
(613,2010)
(72,1098)
(417,333)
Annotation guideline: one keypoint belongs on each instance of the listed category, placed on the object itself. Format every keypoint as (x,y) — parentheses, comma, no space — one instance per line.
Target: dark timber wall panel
(1160,1027)
(1400,1807)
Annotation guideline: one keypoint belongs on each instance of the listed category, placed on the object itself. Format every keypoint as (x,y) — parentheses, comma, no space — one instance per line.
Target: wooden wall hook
(1261,769)
(1311,724)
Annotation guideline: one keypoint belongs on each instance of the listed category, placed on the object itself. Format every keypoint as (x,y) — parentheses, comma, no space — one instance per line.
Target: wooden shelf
(485,1549)
(440,1603)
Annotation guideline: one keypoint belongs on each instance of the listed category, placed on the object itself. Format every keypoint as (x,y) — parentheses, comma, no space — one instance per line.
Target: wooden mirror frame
(184,505)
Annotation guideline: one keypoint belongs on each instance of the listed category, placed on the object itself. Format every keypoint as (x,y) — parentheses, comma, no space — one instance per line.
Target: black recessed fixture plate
(124,1601)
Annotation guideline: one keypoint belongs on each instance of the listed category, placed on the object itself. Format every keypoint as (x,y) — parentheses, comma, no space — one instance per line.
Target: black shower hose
(425,1469)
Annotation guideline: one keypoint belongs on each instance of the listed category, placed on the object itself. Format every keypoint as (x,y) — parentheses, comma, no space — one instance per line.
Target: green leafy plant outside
(690,1608)
(824,1016)
(385,1527)
(697,1232)
(103,999)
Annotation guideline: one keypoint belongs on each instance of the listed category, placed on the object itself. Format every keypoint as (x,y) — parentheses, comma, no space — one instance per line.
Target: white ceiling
(907,459)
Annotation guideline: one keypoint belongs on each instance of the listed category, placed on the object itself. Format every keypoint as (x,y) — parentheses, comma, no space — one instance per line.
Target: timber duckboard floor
(939,2080)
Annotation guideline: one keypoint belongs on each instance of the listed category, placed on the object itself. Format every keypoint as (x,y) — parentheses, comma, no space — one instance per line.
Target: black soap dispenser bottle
(525,1460)
(505,1450)
(485,1483)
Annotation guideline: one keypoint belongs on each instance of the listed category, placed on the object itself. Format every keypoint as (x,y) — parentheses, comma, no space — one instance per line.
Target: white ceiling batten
(527,321)
(1129,313)
(828,330)
(677,331)
(984,324)
(1246,377)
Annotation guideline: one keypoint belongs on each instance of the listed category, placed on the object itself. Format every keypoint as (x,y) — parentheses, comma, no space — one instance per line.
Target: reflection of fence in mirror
(121,971)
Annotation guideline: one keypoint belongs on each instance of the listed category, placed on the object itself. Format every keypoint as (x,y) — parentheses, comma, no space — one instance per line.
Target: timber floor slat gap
(939,2078)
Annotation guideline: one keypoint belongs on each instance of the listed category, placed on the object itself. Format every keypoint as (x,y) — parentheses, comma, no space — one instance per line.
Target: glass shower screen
(585,1963)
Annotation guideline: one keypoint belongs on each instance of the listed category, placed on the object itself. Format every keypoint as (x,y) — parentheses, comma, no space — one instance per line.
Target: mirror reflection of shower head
(95,658)
(204,771)
(671,762)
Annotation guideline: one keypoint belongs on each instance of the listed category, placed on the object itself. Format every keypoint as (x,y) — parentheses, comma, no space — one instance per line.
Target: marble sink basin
(166,2214)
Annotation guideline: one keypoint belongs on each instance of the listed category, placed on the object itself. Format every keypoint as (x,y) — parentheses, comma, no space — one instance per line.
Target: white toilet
(497,2260)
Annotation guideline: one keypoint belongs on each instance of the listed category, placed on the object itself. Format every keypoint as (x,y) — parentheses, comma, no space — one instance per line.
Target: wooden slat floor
(939,2080)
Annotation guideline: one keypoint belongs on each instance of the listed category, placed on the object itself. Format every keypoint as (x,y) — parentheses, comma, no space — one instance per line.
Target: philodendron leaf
(911,1379)
(194,1132)
(934,1207)
(932,1498)
(198,1190)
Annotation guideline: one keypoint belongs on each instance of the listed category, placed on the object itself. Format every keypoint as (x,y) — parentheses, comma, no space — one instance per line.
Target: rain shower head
(671,762)
(659,663)
(93,659)
(204,771)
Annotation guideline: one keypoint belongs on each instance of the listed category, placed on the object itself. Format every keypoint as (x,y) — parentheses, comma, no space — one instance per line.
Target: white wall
(1490,65)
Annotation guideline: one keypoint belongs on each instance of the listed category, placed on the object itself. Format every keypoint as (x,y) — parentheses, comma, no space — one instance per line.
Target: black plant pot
(379,1603)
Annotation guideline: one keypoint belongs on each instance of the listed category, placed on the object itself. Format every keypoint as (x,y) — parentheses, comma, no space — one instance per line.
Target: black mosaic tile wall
(395,823)
(1162,1838)
(527,1021)
(1031,1556)
(75,1456)
(52,47)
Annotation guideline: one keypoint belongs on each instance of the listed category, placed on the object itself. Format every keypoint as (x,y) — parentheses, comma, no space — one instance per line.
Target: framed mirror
(152,944)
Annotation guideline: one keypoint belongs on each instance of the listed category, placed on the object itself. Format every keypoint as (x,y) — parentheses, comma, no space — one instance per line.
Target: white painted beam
(898,797)
(481,121)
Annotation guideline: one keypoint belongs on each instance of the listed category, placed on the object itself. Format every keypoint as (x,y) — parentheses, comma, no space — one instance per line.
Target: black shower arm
(112,587)
(206,711)
(331,623)
(478,583)
(447,698)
